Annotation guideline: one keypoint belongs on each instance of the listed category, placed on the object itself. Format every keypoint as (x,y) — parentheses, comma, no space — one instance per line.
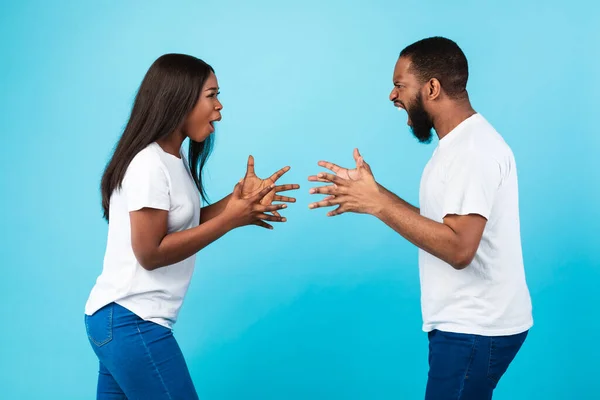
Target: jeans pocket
(99,326)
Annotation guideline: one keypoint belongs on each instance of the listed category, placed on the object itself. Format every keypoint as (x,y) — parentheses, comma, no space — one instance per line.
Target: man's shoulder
(483,139)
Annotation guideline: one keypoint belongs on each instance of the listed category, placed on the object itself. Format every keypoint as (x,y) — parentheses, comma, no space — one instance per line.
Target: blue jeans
(468,367)
(138,359)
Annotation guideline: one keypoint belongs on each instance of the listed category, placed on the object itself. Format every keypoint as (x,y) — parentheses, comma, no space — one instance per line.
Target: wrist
(380,203)
(226,221)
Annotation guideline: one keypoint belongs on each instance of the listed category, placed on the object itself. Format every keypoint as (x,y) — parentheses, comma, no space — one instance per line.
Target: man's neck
(451,116)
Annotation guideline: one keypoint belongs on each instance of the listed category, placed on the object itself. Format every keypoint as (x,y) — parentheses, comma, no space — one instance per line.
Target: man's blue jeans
(468,367)
(138,359)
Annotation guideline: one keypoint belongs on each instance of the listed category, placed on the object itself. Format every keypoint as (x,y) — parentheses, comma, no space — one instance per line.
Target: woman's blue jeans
(138,359)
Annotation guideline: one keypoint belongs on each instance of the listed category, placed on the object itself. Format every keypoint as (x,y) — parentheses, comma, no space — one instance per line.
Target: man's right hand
(344,173)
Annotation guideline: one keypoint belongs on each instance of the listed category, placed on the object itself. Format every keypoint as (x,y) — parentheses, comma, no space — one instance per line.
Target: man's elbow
(462,259)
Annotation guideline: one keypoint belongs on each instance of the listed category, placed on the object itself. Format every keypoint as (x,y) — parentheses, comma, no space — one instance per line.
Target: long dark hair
(167,94)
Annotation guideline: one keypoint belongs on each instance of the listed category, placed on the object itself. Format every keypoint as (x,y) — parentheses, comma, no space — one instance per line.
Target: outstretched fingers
(327,202)
(279,174)
(287,187)
(331,166)
(250,166)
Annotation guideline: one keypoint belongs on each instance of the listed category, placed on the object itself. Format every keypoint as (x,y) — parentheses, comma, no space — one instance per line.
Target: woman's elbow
(147,260)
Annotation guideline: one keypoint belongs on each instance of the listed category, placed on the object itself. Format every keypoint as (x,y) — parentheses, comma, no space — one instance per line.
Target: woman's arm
(154,248)
(209,212)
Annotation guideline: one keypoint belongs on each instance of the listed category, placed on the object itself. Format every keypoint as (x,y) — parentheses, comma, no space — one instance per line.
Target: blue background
(320,308)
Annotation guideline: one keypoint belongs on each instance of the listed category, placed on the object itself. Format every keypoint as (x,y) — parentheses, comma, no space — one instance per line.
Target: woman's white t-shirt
(154,179)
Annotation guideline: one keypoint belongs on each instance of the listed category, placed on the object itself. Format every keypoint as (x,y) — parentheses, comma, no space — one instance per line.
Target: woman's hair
(168,93)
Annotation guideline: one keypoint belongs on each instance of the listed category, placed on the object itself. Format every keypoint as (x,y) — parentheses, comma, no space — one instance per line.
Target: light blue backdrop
(320,308)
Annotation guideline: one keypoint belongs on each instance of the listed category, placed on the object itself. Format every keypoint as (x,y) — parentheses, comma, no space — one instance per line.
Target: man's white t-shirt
(473,171)
(154,179)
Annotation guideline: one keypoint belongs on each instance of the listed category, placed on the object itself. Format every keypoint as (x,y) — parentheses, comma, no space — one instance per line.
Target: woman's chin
(200,137)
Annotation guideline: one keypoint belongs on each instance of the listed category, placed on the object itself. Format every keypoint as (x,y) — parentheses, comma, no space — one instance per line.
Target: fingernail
(284,206)
(311,191)
(320,175)
(311,206)
(283,219)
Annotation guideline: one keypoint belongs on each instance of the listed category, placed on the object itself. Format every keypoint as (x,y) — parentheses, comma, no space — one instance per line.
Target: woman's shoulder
(147,157)
(147,162)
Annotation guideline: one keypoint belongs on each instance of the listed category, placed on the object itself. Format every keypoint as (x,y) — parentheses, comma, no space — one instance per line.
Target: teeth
(400,109)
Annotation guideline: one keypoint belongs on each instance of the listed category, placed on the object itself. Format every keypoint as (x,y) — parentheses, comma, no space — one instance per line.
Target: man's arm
(454,241)
(393,196)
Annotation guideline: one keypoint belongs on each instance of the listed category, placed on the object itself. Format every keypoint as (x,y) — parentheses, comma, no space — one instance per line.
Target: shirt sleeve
(472,183)
(146,184)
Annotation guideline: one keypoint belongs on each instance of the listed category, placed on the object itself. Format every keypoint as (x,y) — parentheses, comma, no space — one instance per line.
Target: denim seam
(462,386)
(110,329)
(152,360)
(490,361)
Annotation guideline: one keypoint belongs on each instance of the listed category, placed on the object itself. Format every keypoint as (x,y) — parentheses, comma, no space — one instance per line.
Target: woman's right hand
(241,211)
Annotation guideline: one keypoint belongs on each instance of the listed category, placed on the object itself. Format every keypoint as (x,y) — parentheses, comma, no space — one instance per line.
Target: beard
(421,122)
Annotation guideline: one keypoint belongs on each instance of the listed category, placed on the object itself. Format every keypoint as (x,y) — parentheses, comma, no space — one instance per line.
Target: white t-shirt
(473,171)
(154,179)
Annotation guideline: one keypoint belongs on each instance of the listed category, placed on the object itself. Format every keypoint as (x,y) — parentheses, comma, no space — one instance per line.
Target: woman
(156,226)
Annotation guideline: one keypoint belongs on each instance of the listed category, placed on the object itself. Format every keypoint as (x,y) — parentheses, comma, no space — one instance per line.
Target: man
(475,302)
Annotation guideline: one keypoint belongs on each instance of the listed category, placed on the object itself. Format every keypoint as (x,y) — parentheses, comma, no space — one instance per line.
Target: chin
(200,138)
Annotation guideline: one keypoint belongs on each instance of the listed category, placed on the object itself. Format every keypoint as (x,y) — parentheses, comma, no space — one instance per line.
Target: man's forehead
(402,68)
